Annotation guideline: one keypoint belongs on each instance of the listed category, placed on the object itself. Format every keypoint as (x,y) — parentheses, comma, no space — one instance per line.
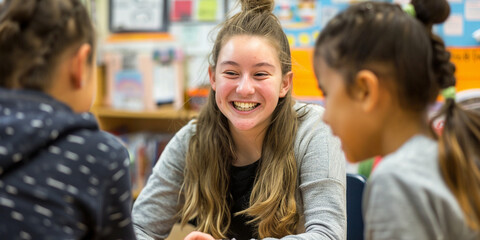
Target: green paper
(207,10)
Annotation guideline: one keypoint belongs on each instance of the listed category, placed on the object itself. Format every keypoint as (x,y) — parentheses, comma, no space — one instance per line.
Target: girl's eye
(261,74)
(230,73)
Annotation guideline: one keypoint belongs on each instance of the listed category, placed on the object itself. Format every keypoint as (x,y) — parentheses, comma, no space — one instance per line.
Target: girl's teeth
(242,106)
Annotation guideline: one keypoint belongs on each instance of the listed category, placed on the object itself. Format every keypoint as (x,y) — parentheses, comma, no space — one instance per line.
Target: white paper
(472,10)
(328,13)
(197,72)
(137,15)
(454,25)
(164,83)
(401,2)
(196,39)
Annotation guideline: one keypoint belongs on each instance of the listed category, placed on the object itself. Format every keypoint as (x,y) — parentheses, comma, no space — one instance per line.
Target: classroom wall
(456,31)
(302,21)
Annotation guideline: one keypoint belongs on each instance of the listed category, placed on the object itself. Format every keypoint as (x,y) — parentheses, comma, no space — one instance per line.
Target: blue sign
(303,20)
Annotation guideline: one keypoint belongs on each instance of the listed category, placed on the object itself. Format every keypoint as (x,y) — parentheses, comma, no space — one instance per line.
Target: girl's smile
(248,82)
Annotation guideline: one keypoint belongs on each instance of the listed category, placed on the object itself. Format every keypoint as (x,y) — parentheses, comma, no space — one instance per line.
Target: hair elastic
(409,9)
(448,93)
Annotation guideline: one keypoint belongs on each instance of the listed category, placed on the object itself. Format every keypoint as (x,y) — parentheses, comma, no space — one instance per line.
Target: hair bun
(431,11)
(257,5)
(8,29)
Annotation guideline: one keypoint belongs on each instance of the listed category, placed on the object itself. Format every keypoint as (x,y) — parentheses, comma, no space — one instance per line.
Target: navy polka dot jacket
(60,176)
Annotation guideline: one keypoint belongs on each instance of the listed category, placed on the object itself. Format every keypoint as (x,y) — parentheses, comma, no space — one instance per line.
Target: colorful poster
(466,16)
(303,20)
(128,90)
(300,19)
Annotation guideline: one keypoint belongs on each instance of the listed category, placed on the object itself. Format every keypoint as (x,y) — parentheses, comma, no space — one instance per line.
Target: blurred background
(153,57)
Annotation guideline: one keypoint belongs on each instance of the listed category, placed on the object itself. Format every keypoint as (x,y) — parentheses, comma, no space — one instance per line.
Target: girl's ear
(211,75)
(366,90)
(286,84)
(79,64)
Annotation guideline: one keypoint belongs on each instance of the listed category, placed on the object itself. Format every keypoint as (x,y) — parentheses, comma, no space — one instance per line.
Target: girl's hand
(195,235)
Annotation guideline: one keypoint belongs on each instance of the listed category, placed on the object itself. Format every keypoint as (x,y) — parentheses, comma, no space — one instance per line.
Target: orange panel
(467,63)
(466,60)
(127,37)
(304,81)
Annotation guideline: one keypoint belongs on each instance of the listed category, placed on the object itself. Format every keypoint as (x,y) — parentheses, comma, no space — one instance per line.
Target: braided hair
(404,52)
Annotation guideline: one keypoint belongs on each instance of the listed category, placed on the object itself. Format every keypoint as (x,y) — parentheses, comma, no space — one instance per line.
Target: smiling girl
(255,164)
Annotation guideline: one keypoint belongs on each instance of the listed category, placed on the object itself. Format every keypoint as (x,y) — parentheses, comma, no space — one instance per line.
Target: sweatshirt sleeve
(322,179)
(155,210)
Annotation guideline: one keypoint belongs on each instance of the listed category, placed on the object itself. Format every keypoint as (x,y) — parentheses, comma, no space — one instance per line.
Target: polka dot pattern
(60,176)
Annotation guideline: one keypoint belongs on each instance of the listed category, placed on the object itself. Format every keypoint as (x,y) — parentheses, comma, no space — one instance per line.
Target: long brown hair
(211,150)
(34,34)
(419,63)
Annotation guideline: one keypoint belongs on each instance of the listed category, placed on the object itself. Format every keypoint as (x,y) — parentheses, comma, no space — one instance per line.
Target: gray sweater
(320,193)
(406,197)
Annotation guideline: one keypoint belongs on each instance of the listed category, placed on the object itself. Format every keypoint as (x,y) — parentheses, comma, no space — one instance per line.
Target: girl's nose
(245,86)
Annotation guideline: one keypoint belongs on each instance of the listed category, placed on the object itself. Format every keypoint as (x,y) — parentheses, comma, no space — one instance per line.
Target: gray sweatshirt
(407,198)
(320,193)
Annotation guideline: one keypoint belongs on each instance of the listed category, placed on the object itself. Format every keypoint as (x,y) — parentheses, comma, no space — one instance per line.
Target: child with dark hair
(380,68)
(60,176)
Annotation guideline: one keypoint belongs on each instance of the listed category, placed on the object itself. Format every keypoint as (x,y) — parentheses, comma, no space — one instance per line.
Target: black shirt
(241,185)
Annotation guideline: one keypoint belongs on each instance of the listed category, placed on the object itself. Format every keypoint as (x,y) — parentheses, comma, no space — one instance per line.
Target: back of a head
(383,38)
(255,19)
(403,51)
(34,34)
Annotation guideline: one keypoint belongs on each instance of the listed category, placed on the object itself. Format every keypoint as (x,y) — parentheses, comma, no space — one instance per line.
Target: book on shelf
(144,150)
(141,74)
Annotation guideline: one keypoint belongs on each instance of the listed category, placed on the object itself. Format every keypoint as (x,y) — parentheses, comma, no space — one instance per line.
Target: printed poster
(128,90)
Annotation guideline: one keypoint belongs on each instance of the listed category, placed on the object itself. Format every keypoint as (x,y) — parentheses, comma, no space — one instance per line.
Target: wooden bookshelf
(164,119)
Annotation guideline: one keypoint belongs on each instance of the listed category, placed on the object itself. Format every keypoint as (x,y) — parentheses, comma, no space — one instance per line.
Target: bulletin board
(303,20)
(195,11)
(464,19)
(138,16)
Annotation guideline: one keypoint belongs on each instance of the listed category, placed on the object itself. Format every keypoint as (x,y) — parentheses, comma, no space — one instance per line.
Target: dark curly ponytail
(412,58)
(459,142)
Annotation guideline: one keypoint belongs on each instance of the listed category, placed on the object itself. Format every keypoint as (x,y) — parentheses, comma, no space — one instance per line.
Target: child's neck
(248,146)
(400,129)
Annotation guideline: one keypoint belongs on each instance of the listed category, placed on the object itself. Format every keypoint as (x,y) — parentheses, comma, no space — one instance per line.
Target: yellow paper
(207,10)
